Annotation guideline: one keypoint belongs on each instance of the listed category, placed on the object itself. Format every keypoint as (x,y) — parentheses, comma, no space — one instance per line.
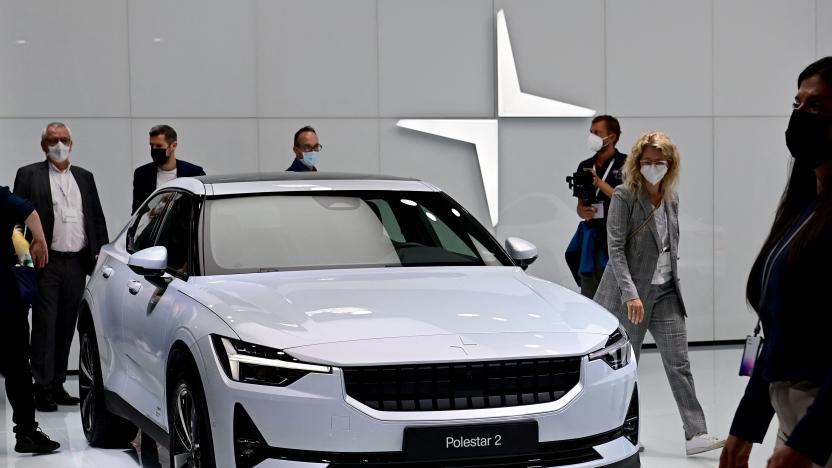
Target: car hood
(308,308)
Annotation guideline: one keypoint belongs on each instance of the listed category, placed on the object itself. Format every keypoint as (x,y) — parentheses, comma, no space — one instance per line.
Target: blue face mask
(310,158)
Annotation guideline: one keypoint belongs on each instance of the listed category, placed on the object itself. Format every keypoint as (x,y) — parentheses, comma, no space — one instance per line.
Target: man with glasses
(307,149)
(606,165)
(66,198)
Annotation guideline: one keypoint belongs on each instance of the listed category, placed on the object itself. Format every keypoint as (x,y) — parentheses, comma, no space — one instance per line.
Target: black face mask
(159,155)
(807,138)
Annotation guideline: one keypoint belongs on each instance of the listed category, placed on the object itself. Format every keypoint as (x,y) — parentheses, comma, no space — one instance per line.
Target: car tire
(101,427)
(191,444)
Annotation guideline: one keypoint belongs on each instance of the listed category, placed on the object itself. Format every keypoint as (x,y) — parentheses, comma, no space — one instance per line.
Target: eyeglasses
(307,148)
(645,162)
(54,141)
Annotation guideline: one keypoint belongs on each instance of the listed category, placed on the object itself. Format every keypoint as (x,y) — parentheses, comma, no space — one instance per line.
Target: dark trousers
(14,354)
(55,317)
(590,281)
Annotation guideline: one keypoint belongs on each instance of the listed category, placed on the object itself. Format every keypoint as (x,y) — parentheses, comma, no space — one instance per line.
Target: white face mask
(58,153)
(655,173)
(594,143)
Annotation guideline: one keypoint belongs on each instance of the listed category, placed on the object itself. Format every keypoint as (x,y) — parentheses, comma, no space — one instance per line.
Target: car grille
(461,386)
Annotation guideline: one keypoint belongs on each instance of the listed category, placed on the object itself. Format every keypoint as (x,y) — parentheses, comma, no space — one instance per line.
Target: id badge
(599,210)
(753,344)
(70,216)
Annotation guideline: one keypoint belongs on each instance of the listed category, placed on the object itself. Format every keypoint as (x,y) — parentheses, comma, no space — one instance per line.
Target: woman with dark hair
(788,288)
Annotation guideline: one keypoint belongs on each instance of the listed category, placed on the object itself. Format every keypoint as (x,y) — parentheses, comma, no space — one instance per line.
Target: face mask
(310,158)
(58,153)
(159,155)
(594,143)
(654,174)
(807,138)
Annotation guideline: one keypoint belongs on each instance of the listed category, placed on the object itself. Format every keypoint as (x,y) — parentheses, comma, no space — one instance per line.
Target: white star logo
(483,133)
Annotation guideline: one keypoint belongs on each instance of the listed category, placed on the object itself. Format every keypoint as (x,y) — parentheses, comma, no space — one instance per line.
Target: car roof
(238,184)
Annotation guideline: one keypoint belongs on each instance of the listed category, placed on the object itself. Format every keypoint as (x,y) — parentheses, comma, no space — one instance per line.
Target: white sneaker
(703,443)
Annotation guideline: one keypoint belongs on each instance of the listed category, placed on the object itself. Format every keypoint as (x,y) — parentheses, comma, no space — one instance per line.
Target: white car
(313,320)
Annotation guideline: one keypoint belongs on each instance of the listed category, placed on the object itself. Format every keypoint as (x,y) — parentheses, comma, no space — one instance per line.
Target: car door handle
(134,287)
(106,271)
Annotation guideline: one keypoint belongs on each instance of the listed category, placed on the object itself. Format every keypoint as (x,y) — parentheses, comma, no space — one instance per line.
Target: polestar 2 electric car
(334,320)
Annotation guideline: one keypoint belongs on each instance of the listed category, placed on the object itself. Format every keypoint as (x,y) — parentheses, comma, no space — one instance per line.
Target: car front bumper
(313,423)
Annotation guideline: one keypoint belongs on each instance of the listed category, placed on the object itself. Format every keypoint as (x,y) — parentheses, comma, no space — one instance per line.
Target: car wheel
(191,444)
(101,427)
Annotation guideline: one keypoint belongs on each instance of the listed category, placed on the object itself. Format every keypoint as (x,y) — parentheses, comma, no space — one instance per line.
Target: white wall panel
(436,58)
(317,58)
(760,46)
(749,177)
(192,58)
(349,145)
(823,25)
(659,57)
(63,58)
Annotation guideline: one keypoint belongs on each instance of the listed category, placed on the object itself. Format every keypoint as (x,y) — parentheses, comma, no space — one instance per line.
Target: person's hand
(787,457)
(588,212)
(595,178)
(735,453)
(39,251)
(635,311)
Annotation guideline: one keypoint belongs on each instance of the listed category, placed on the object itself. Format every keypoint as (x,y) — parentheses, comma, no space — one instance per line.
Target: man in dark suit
(165,167)
(67,200)
(14,335)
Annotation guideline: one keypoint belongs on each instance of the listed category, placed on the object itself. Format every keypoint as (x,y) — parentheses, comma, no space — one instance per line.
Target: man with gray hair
(67,200)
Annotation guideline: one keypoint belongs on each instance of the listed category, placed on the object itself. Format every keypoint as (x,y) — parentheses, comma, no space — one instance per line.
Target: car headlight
(256,364)
(616,353)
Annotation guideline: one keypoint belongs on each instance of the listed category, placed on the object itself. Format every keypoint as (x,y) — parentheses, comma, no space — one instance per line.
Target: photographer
(593,185)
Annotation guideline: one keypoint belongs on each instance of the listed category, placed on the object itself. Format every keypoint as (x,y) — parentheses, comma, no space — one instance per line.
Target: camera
(581,184)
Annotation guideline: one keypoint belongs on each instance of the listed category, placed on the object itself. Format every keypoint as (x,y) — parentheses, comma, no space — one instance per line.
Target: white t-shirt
(162,177)
(664,269)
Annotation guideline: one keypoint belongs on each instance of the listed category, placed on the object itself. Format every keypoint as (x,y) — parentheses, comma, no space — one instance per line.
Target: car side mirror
(150,262)
(523,252)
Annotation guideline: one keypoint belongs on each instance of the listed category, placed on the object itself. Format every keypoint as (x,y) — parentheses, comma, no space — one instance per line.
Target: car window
(142,233)
(343,230)
(175,233)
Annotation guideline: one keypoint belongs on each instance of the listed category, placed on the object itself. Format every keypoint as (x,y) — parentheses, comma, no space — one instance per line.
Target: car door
(114,273)
(149,305)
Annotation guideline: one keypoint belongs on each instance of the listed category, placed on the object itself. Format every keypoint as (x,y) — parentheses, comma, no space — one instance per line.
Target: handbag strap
(644,223)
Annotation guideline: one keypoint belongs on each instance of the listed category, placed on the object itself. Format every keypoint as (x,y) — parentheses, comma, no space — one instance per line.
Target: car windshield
(294,231)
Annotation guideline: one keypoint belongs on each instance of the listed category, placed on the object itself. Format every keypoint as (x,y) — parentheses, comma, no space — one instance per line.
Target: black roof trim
(292,176)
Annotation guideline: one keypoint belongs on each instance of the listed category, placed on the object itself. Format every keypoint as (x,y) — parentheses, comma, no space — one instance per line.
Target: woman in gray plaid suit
(640,284)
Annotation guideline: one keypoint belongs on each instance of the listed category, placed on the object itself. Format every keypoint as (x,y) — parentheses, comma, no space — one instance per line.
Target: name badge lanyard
(606,173)
(768,266)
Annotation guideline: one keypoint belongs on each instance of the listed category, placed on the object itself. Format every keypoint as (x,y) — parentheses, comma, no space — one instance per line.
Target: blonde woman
(640,284)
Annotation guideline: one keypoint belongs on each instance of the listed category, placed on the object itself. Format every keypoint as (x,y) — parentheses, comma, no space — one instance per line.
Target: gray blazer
(632,262)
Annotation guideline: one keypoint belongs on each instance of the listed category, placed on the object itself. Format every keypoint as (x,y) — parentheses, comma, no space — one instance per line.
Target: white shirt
(163,177)
(68,235)
(664,270)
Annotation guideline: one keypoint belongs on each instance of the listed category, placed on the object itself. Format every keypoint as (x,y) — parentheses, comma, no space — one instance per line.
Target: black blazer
(32,183)
(144,179)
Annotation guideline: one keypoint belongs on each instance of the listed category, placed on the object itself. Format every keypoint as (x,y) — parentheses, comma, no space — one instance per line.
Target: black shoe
(35,442)
(44,401)
(61,397)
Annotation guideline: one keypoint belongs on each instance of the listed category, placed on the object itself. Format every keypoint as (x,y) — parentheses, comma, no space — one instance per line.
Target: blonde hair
(633,179)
